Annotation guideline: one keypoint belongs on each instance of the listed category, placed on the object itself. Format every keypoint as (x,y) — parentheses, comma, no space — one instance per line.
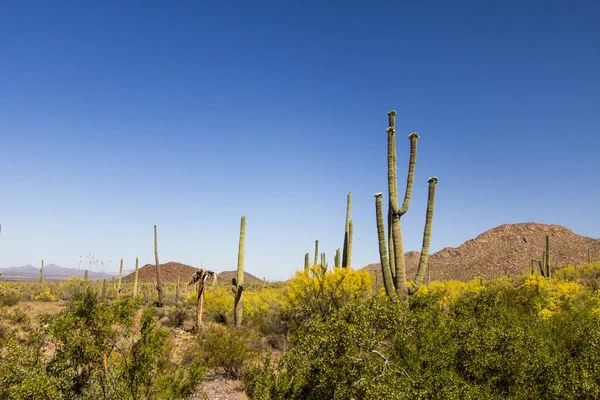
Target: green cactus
(347,245)
(336,259)
(306,262)
(177,287)
(350,234)
(316,253)
(238,284)
(159,286)
(120,276)
(104,288)
(548,274)
(41,273)
(85,276)
(388,283)
(135,279)
(423,261)
(395,212)
(544,264)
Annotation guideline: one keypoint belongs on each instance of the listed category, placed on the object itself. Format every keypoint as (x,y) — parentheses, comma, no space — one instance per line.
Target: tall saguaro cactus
(159,286)
(395,278)
(238,284)
(120,276)
(347,236)
(306,262)
(42,272)
(316,260)
(135,279)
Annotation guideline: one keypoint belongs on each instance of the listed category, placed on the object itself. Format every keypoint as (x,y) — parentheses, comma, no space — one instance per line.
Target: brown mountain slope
(249,279)
(169,272)
(506,249)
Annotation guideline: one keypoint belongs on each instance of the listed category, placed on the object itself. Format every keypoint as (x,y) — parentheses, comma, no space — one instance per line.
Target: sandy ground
(216,386)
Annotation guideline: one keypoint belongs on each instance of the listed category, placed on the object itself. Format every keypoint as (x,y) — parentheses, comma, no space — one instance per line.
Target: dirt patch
(216,386)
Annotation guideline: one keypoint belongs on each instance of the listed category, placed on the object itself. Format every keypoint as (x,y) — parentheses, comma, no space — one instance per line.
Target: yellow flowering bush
(44,296)
(318,291)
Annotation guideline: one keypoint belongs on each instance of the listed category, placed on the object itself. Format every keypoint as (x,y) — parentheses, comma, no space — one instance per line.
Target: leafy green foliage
(477,340)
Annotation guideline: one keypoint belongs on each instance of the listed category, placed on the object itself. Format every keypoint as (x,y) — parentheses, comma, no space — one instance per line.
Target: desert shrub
(9,296)
(23,375)
(71,288)
(487,343)
(218,304)
(315,292)
(228,349)
(178,315)
(44,296)
(149,369)
(264,311)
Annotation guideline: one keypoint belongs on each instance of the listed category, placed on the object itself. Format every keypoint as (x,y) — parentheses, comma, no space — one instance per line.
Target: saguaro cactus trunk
(135,279)
(159,286)
(306,262)
(316,260)
(42,272)
(238,284)
(200,277)
(347,239)
(119,283)
(395,212)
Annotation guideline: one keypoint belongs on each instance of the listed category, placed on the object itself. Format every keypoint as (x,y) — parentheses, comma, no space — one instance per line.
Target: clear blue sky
(115,116)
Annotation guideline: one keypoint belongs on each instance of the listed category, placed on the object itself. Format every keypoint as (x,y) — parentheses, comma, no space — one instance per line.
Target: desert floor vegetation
(324,334)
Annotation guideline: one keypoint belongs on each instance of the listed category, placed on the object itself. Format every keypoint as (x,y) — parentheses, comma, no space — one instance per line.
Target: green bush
(9,296)
(489,343)
(229,349)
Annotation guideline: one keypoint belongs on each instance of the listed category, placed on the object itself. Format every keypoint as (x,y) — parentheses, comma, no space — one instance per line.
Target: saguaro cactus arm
(426,237)
(410,179)
(383,254)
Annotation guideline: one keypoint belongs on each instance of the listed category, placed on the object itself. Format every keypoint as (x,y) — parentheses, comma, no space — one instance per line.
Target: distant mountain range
(53,271)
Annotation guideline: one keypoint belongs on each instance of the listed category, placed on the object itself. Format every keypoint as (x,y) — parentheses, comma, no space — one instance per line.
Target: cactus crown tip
(414,135)
(433,179)
(392,112)
(378,194)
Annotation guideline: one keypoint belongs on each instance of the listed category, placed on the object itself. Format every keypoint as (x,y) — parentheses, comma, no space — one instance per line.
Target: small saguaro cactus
(135,279)
(395,279)
(237,285)
(347,235)
(42,272)
(545,263)
(336,258)
(306,262)
(159,286)
(177,287)
(120,276)
(85,276)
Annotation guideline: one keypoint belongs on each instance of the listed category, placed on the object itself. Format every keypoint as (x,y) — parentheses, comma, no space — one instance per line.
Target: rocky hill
(169,272)
(506,249)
